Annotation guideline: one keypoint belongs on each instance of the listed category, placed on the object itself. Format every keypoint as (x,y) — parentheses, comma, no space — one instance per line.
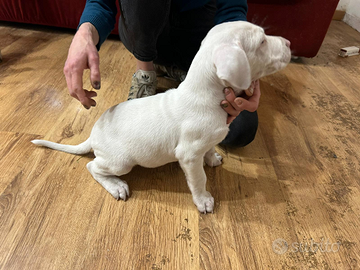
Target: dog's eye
(263,42)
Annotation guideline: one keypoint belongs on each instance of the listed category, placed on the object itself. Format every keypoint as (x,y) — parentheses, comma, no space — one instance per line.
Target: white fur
(182,124)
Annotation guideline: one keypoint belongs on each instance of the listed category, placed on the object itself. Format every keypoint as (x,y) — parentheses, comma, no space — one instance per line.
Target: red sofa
(303,22)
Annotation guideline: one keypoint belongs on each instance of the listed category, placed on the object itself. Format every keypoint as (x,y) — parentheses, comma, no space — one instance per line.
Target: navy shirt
(102,13)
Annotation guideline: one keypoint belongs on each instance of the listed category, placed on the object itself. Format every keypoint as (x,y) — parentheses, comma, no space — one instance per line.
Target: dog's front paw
(205,203)
(214,160)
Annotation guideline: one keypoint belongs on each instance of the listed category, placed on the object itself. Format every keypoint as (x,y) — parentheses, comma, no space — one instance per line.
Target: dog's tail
(82,148)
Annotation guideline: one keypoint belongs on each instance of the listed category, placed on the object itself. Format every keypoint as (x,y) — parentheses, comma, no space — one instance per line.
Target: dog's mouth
(283,61)
(286,56)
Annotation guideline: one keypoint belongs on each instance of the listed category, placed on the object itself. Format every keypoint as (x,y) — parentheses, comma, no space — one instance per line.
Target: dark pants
(157,31)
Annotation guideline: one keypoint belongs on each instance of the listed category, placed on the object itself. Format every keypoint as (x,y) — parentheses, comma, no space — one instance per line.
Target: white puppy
(182,124)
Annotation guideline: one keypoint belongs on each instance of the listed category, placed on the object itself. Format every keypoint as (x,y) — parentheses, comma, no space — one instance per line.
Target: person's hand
(83,55)
(235,105)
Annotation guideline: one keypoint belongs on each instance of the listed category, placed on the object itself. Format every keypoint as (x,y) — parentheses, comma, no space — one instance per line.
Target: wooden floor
(298,181)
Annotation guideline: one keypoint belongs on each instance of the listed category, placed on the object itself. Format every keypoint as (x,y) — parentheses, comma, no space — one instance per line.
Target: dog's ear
(232,66)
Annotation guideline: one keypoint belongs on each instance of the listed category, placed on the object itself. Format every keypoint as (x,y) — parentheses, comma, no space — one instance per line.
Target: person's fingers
(90,95)
(67,74)
(232,113)
(257,92)
(94,64)
(77,88)
(230,97)
(230,119)
(250,91)
(227,106)
(230,105)
(235,105)
(250,105)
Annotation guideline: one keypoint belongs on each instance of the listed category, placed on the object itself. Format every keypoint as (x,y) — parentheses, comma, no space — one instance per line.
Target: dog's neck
(201,82)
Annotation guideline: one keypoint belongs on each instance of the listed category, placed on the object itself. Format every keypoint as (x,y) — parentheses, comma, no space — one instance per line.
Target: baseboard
(339,15)
(353,21)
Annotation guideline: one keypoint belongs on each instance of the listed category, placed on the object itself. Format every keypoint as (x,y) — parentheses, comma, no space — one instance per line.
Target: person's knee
(242,130)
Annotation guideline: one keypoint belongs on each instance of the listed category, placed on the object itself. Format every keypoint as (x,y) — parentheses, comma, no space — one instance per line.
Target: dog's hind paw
(205,204)
(214,160)
(120,191)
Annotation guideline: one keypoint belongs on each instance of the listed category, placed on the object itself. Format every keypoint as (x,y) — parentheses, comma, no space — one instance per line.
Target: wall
(352,9)
(343,4)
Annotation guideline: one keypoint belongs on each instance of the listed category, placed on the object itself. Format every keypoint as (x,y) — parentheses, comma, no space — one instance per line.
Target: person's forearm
(101,14)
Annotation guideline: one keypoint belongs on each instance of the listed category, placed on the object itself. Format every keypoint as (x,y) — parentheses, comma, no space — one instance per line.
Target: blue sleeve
(101,14)
(231,10)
